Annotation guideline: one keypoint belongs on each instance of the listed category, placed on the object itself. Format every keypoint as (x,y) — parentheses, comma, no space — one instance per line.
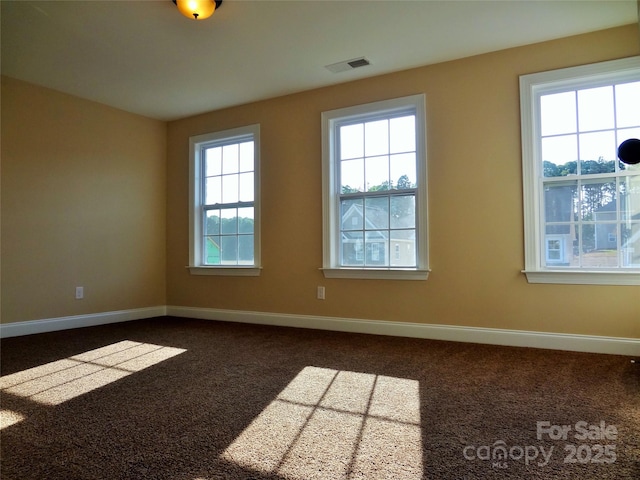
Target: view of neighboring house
(560,231)
(599,231)
(368,239)
(606,231)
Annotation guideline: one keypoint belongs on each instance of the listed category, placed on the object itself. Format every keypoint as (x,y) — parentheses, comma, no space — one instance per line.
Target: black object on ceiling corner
(629,151)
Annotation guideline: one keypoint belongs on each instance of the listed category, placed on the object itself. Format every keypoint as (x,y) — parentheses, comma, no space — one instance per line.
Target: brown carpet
(181,399)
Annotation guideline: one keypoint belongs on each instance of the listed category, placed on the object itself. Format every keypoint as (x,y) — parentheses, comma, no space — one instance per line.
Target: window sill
(376,274)
(226,271)
(591,277)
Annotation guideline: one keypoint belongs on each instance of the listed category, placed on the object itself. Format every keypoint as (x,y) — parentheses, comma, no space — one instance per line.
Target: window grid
(375,190)
(224,215)
(370,245)
(617,222)
(225,241)
(615,256)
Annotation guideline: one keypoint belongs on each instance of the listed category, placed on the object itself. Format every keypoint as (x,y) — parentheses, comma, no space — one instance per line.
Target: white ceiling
(146,58)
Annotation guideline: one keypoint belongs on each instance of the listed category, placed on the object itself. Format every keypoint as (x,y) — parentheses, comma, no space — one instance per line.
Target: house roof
(144,57)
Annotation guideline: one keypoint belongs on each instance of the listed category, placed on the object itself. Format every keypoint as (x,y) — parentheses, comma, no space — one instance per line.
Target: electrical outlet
(79,293)
(320,293)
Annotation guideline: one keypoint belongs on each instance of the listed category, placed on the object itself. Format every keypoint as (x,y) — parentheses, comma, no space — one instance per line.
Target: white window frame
(197,144)
(531,88)
(330,199)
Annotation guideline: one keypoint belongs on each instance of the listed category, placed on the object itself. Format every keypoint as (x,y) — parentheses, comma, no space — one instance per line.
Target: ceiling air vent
(360,62)
(348,65)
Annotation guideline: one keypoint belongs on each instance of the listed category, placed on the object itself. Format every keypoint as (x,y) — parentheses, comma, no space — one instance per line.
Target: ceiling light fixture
(197,9)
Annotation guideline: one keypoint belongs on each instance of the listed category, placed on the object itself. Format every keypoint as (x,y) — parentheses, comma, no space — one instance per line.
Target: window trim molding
(195,202)
(586,277)
(330,204)
(376,273)
(531,87)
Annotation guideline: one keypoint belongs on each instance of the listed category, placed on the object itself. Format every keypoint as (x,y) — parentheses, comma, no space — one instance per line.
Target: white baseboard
(17,329)
(492,336)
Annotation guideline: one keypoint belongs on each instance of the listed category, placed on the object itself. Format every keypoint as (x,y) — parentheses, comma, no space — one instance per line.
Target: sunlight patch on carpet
(57,382)
(9,417)
(330,424)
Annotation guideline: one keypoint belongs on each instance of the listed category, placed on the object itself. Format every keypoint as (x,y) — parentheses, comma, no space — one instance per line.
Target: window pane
(229,222)
(352,249)
(372,159)
(245,249)
(377,173)
(599,246)
(558,113)
(225,167)
(630,244)
(559,202)
(403,211)
(376,248)
(403,248)
(403,170)
(602,166)
(213,191)
(376,135)
(352,176)
(599,148)
(212,222)
(246,187)
(351,214)
(606,236)
(229,188)
(587,238)
(598,200)
(402,134)
(212,250)
(550,169)
(213,161)
(229,250)
(587,193)
(560,246)
(595,108)
(627,101)
(376,213)
(352,141)
(230,158)
(560,150)
(630,198)
(246,156)
(245,220)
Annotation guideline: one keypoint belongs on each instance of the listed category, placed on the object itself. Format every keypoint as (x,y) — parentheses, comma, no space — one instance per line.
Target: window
(375,190)
(225,215)
(582,205)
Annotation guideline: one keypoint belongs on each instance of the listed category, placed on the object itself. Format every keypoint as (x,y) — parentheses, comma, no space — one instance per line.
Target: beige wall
(83,204)
(97,197)
(475,195)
